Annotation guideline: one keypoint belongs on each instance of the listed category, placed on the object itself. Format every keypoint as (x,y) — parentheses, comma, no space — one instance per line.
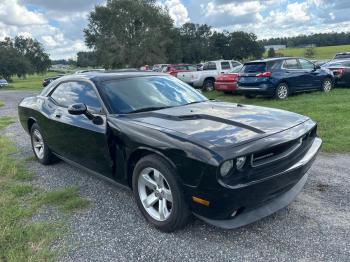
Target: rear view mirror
(77,109)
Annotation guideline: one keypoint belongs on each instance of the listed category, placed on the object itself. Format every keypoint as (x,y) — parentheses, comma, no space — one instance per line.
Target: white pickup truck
(205,78)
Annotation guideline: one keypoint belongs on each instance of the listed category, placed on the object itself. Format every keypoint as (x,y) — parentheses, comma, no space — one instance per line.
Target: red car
(228,82)
(174,69)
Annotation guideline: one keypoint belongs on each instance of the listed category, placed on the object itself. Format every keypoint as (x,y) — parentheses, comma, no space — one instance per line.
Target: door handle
(58,115)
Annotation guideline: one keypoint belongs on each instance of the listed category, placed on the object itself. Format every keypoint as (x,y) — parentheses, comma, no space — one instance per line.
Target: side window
(225,65)
(209,66)
(234,64)
(291,64)
(307,65)
(70,93)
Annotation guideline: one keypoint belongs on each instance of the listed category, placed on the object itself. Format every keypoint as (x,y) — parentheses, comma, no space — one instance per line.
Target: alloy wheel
(282,92)
(155,194)
(38,144)
(327,85)
(209,86)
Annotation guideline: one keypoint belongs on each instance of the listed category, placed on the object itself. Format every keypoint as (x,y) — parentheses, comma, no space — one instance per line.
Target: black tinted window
(291,64)
(70,93)
(254,68)
(225,65)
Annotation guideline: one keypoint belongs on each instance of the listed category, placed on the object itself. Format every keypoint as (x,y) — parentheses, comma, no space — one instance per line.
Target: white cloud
(177,11)
(11,13)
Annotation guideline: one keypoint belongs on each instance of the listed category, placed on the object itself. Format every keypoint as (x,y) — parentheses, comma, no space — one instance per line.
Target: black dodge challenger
(180,153)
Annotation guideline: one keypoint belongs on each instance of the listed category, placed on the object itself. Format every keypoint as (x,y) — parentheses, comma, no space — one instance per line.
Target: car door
(312,75)
(75,137)
(293,74)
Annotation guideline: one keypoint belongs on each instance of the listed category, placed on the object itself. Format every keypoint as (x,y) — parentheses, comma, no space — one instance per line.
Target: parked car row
(281,77)
(205,78)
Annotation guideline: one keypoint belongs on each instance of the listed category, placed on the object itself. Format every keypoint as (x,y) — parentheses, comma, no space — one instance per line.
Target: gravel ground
(315,227)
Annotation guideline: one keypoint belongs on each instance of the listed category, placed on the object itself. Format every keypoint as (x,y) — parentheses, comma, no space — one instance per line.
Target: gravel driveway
(315,227)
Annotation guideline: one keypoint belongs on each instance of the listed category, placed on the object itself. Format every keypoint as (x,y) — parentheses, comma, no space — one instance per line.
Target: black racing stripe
(194,117)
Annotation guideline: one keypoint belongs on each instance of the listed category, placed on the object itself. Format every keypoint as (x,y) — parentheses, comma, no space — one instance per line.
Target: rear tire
(327,85)
(158,194)
(41,151)
(282,91)
(208,85)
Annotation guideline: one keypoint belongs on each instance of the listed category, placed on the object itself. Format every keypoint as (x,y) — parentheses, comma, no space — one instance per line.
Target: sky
(59,24)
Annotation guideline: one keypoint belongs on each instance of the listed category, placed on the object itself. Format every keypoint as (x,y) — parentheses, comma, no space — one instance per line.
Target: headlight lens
(240,161)
(226,167)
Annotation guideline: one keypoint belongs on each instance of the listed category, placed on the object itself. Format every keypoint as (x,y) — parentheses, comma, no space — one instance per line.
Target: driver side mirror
(77,109)
(81,109)
(317,67)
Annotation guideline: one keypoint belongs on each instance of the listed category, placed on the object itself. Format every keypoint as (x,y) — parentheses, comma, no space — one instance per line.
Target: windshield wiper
(195,102)
(146,109)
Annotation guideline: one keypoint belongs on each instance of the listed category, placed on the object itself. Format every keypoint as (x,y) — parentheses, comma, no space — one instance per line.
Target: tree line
(21,56)
(131,33)
(322,39)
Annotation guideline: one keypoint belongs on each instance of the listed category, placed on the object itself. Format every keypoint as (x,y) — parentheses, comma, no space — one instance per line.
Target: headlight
(226,167)
(240,161)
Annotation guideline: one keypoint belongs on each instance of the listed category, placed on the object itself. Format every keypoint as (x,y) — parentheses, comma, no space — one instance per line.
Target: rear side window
(291,64)
(254,68)
(225,65)
(69,93)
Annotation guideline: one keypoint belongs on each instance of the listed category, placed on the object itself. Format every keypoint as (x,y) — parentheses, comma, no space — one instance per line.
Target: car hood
(219,123)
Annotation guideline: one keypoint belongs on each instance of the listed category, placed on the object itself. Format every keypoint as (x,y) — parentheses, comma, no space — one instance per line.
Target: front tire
(327,85)
(158,194)
(41,151)
(282,91)
(208,85)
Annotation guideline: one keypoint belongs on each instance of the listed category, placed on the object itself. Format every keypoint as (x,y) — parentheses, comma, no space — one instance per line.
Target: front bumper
(261,198)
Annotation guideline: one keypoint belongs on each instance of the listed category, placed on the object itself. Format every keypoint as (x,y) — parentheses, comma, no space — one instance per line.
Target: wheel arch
(30,123)
(139,153)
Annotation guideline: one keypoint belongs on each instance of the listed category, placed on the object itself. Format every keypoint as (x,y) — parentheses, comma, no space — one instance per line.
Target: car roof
(266,60)
(98,77)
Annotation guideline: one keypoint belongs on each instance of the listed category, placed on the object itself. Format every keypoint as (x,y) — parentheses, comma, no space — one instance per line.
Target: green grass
(321,53)
(31,82)
(22,239)
(330,110)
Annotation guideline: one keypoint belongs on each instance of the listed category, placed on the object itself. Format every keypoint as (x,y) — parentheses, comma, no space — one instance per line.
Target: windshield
(151,92)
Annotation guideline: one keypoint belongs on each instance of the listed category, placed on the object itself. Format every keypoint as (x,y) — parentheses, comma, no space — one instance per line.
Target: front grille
(273,160)
(279,158)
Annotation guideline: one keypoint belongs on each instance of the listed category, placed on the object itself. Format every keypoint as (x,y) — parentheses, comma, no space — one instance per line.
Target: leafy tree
(129,33)
(21,57)
(271,52)
(34,52)
(310,52)
(87,59)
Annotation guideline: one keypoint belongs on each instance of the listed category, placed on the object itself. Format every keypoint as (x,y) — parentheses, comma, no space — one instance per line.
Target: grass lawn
(21,238)
(331,111)
(31,82)
(324,52)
